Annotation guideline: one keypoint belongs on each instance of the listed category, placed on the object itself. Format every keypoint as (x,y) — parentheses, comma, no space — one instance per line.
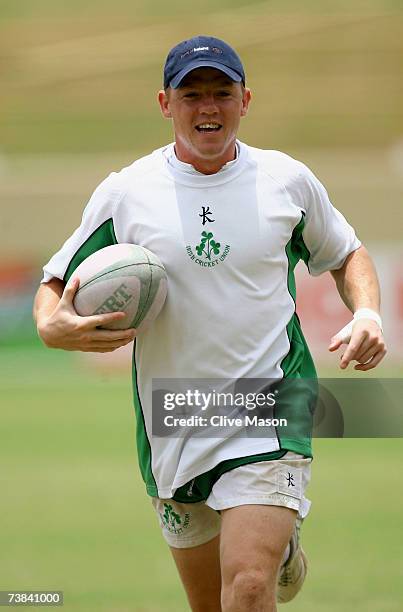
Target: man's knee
(249,589)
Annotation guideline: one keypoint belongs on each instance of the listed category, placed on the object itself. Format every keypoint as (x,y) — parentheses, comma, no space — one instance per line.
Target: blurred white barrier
(319,307)
(323,313)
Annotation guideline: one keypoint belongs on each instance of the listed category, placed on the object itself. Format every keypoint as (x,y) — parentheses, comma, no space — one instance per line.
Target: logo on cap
(199,52)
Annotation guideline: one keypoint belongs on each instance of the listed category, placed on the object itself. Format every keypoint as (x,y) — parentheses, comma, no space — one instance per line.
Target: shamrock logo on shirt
(207,245)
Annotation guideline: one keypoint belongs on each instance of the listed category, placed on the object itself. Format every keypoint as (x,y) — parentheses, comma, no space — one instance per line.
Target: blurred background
(78,85)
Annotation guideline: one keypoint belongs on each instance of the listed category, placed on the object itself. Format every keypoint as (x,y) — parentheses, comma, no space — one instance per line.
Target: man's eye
(190,94)
(223,94)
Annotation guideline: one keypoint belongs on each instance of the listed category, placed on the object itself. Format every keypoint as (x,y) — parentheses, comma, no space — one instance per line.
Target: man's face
(206,110)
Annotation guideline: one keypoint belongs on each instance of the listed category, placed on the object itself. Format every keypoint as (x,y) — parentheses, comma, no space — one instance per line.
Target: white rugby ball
(122,278)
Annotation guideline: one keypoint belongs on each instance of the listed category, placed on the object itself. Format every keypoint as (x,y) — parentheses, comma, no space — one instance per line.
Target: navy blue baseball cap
(200,52)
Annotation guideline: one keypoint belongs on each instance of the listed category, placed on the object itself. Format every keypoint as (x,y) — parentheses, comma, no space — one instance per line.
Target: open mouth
(208,128)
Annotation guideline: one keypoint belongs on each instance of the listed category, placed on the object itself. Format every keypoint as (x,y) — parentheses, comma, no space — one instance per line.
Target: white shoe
(293,572)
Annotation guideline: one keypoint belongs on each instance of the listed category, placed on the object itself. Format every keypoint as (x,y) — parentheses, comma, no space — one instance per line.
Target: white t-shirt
(230,310)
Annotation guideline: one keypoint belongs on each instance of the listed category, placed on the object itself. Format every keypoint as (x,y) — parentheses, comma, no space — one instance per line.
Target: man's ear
(246,98)
(163,100)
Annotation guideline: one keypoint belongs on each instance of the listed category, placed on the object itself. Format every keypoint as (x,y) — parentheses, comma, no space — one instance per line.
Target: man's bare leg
(199,569)
(253,541)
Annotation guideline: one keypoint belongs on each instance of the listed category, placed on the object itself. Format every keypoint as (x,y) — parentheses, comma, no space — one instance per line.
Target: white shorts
(279,482)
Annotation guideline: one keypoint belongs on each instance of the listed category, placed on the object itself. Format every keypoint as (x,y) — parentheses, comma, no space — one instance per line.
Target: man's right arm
(59,326)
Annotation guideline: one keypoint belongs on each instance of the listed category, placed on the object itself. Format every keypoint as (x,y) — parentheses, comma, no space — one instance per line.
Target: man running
(229,222)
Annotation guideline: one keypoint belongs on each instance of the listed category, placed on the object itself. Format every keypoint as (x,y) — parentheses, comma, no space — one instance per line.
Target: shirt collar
(176,163)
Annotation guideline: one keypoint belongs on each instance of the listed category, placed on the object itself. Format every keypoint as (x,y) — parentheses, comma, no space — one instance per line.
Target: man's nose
(208,104)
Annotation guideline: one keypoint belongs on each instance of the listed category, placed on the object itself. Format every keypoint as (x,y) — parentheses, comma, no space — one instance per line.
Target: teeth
(204,126)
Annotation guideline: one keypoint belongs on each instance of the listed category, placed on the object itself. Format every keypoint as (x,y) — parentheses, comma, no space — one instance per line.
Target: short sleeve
(95,232)
(327,235)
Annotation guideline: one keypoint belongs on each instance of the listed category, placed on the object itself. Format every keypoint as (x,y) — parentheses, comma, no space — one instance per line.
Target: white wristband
(362,313)
(368,313)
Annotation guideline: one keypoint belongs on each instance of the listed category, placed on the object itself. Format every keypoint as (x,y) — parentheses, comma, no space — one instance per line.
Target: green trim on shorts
(203,483)
(200,487)
(302,447)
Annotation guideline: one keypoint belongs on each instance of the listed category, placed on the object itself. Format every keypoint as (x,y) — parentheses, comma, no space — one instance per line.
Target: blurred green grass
(75,515)
(74,79)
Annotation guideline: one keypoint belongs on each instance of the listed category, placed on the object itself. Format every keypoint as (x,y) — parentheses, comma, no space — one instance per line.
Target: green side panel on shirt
(102,237)
(143,443)
(296,402)
(298,362)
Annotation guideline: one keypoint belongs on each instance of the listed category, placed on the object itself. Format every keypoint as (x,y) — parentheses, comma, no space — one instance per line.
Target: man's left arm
(357,284)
